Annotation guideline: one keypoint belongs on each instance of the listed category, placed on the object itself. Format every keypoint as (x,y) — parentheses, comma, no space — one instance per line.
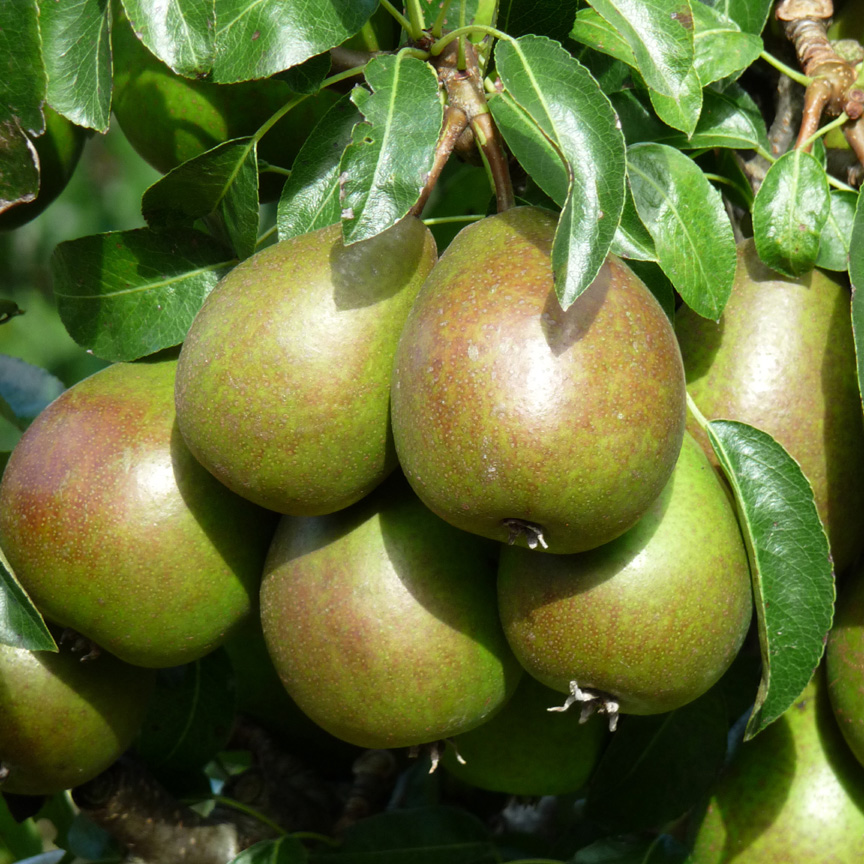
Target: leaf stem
(266,235)
(788,71)
(697,414)
(438,26)
(437,47)
(249,811)
(765,154)
(824,130)
(320,838)
(404,23)
(415,13)
(447,220)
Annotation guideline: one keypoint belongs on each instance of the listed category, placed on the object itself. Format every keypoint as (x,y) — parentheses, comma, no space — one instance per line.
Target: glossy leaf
(632,239)
(127,294)
(591,29)
(687,220)
(749,15)
(256,38)
(385,167)
(310,196)
(190,716)
(76,47)
(660,34)
(535,152)
(681,111)
(834,242)
(223,180)
(856,276)
(435,835)
(566,103)
(178,32)
(21,625)
(656,766)
(721,49)
(22,75)
(789,213)
(729,119)
(284,850)
(790,563)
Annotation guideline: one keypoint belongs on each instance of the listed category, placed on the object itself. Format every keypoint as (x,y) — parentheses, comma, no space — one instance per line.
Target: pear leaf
(721,49)
(284,850)
(23,81)
(575,115)
(384,169)
(632,239)
(856,276)
(749,15)
(686,217)
(223,180)
(76,47)
(552,18)
(682,111)
(789,213)
(310,196)
(793,579)
(596,32)
(126,294)
(835,242)
(21,625)
(19,179)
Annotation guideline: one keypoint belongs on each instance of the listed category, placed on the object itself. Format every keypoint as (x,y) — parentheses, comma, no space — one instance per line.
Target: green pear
(647,622)
(116,531)
(382,624)
(520,422)
(527,750)
(792,795)
(782,359)
(283,387)
(169,119)
(844,662)
(64,720)
(59,149)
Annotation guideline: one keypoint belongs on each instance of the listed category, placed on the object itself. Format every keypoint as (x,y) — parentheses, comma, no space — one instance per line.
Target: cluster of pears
(489,505)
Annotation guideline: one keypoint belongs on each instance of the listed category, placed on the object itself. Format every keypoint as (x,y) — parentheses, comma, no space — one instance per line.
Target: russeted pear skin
(116,531)
(654,618)
(844,662)
(508,410)
(782,358)
(381,622)
(283,387)
(63,721)
(792,795)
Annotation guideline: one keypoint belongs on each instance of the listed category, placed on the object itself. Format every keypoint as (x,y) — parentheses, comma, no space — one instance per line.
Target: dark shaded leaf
(552,18)
(310,196)
(789,213)
(658,283)
(656,766)
(19,165)
(22,75)
(76,47)
(566,103)
(655,850)
(790,563)
(307,77)
(21,625)
(127,294)
(385,167)
(687,220)
(223,180)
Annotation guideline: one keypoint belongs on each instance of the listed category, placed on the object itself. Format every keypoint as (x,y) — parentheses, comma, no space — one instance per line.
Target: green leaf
(856,276)
(310,196)
(22,839)
(425,835)
(660,35)
(27,389)
(535,152)
(686,217)
(285,850)
(223,180)
(656,766)
(596,32)
(19,165)
(662,849)
(179,33)
(21,625)
(835,241)
(682,111)
(722,50)
(749,15)
(385,167)
(127,294)
(790,562)
(789,213)
(632,239)
(639,122)
(256,38)
(566,103)
(190,716)
(22,75)
(307,77)
(552,18)
(76,47)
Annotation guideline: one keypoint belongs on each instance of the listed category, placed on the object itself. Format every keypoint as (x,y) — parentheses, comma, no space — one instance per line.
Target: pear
(647,622)
(283,386)
(782,359)
(64,720)
(844,662)
(381,622)
(792,795)
(527,750)
(520,422)
(116,531)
